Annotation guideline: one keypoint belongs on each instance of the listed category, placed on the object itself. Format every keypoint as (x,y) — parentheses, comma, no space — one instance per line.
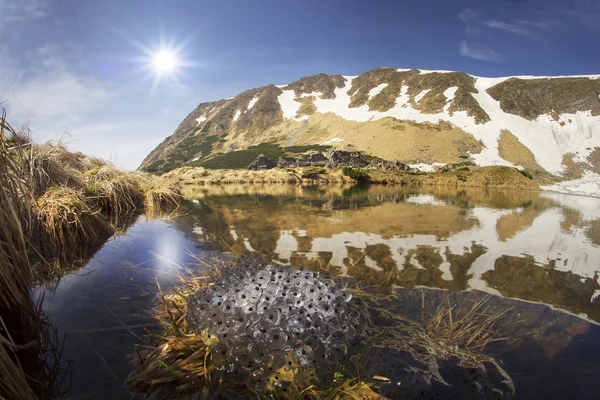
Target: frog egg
(228,307)
(310,291)
(325,309)
(275,360)
(297,282)
(295,292)
(255,291)
(262,307)
(263,276)
(237,322)
(310,308)
(259,331)
(299,304)
(271,289)
(243,297)
(272,316)
(220,354)
(257,353)
(304,355)
(299,322)
(249,307)
(275,339)
(346,295)
(217,325)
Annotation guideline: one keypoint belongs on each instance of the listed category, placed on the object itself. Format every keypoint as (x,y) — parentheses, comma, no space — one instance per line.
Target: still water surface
(537,247)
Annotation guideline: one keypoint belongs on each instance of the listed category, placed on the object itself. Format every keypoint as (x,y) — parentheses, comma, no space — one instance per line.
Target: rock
(313,159)
(380,164)
(262,162)
(316,157)
(340,158)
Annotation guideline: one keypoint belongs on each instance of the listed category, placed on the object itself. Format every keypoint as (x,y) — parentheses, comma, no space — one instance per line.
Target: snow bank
(377,89)
(237,115)
(252,103)
(201,119)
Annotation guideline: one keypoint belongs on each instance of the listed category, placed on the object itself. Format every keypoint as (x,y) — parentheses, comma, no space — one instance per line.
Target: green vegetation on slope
(240,159)
(190,147)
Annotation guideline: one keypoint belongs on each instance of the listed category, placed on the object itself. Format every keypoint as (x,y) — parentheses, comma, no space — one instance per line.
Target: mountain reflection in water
(526,245)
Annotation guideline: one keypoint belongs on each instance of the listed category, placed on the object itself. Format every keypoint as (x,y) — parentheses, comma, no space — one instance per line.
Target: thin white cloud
(18,11)
(482,53)
(512,28)
(543,24)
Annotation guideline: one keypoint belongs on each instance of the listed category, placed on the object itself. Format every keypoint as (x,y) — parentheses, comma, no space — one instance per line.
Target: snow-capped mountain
(547,125)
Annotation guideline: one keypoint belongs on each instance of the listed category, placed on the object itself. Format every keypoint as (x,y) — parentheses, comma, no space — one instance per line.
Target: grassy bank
(497,177)
(56,207)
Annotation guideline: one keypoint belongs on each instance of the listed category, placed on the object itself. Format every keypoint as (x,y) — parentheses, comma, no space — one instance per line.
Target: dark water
(539,247)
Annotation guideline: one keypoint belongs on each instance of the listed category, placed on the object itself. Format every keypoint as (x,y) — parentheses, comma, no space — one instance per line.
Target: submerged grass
(470,326)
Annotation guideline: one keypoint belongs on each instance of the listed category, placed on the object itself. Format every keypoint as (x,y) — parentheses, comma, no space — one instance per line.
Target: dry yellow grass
(66,225)
(115,191)
(20,322)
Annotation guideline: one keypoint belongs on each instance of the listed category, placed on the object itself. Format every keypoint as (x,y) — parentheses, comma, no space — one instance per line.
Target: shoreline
(492,177)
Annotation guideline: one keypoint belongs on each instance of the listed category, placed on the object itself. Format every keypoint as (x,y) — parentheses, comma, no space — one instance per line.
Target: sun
(164,61)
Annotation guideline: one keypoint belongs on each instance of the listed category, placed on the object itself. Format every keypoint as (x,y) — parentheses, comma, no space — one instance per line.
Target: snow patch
(420,96)
(289,105)
(237,115)
(587,185)
(248,245)
(252,103)
(332,141)
(450,93)
(376,90)
(426,167)
(201,119)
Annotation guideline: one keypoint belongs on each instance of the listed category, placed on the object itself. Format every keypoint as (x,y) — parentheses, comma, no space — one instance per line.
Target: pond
(536,253)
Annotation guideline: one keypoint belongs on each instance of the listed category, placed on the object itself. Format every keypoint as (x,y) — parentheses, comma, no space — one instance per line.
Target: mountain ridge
(419,117)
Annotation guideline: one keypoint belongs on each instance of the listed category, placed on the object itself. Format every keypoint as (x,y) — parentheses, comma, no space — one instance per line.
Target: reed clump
(26,348)
(160,194)
(113,191)
(66,225)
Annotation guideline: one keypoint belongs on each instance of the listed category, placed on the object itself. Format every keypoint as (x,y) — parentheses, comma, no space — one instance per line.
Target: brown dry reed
(25,371)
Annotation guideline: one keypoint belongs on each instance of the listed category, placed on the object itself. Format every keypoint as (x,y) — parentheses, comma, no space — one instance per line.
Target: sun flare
(164,61)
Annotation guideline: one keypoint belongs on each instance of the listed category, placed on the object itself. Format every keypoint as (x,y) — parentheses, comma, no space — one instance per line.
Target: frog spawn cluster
(278,327)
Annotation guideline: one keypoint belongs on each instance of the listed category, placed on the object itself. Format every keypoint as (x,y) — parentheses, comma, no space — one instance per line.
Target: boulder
(313,159)
(261,162)
(380,164)
(316,157)
(341,158)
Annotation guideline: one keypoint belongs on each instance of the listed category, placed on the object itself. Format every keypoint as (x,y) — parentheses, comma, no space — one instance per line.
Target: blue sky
(76,69)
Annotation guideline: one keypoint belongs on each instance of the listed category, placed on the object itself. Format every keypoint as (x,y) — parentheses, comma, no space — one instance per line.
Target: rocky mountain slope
(549,126)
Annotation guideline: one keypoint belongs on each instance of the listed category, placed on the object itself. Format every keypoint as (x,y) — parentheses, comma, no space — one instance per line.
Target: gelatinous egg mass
(272,317)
